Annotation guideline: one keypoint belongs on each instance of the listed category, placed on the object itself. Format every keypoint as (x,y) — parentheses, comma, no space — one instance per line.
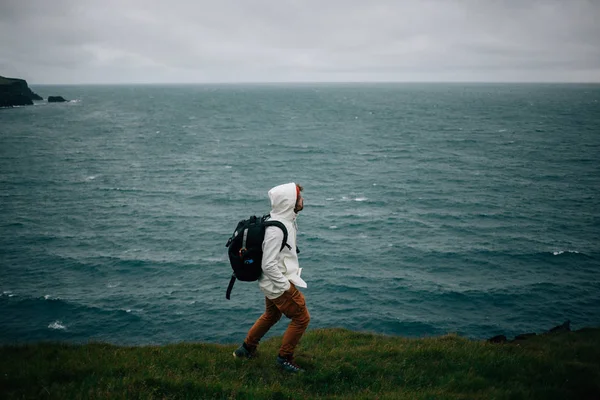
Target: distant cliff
(16,92)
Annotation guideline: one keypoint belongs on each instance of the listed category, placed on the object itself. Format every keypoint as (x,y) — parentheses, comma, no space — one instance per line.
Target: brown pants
(293,306)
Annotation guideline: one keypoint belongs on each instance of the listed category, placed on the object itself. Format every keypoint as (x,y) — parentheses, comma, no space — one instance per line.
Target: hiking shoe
(244,352)
(288,364)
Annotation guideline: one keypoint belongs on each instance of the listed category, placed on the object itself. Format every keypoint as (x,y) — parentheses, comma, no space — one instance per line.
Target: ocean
(429,208)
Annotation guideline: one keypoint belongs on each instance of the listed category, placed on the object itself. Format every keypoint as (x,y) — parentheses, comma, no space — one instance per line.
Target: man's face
(299,203)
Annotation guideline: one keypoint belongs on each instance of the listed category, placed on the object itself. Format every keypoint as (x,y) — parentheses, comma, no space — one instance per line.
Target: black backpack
(245,248)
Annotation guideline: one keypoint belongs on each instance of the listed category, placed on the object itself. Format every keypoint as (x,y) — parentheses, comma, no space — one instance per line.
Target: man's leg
(293,305)
(262,324)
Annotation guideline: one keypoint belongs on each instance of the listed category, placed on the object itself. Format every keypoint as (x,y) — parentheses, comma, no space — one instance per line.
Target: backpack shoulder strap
(281,226)
(230,287)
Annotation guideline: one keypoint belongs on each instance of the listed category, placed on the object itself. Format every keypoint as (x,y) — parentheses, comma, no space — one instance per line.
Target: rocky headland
(16,92)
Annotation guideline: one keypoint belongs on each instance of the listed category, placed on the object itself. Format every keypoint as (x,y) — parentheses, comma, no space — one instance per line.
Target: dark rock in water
(525,336)
(497,339)
(565,327)
(56,99)
(16,92)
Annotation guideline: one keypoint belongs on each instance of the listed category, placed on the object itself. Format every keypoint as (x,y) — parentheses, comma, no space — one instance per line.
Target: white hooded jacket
(280,267)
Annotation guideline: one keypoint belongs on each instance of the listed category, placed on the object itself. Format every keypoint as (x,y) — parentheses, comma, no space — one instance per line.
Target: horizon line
(318,82)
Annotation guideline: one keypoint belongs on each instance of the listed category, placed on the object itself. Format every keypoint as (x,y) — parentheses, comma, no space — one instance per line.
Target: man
(280,280)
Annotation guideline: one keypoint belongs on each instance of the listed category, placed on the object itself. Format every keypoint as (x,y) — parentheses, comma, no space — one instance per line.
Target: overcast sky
(156,41)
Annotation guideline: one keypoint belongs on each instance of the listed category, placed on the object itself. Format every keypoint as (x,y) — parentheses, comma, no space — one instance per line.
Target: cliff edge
(16,92)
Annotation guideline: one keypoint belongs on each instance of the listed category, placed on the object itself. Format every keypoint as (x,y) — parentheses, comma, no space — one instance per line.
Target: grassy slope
(340,364)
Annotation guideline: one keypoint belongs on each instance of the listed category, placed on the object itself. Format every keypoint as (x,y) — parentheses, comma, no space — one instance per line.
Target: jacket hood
(283,201)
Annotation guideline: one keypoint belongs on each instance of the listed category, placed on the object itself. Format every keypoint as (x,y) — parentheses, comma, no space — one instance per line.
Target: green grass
(340,364)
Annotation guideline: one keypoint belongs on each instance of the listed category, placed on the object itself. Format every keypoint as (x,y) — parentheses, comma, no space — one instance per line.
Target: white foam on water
(333,227)
(559,252)
(111,285)
(228,167)
(91,177)
(329,199)
(502,130)
(57,325)
(49,297)
(359,198)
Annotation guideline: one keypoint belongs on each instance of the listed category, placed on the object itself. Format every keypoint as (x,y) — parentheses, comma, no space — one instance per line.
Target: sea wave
(58,305)
(559,252)
(57,325)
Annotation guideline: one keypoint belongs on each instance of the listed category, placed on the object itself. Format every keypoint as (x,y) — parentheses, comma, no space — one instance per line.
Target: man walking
(280,280)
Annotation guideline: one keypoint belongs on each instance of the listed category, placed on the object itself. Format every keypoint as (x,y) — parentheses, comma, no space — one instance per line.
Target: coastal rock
(565,327)
(35,96)
(16,92)
(524,336)
(56,99)
(497,339)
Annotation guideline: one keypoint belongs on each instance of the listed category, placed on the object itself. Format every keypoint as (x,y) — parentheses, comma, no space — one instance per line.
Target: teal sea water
(429,208)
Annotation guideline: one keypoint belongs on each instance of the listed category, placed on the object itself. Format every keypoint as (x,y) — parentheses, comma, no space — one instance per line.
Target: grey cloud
(74,41)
